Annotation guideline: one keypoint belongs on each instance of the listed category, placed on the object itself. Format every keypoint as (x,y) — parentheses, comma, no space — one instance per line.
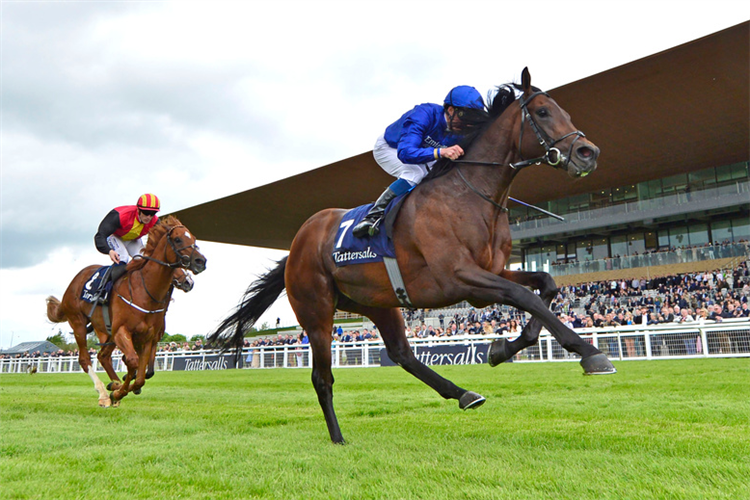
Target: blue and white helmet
(464,96)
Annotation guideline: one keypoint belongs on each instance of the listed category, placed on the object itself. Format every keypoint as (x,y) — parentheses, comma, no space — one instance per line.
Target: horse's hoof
(598,364)
(105,402)
(496,354)
(137,391)
(470,400)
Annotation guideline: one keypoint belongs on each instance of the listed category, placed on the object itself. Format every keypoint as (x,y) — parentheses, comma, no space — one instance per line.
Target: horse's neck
(157,277)
(498,147)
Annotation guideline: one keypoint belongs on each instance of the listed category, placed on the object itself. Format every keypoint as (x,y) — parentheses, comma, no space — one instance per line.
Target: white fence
(730,338)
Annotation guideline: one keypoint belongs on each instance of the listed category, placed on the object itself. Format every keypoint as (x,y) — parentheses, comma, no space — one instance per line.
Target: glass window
(579,202)
(624,194)
(741,229)
(721,231)
(584,250)
(663,239)
(702,179)
(601,249)
(600,198)
(533,259)
(549,255)
(675,184)
(561,253)
(699,234)
(678,237)
(651,242)
(559,206)
(571,251)
(729,173)
(619,245)
(636,244)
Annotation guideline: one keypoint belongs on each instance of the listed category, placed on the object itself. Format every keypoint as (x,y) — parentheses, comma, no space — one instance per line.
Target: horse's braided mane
(477,123)
(156,233)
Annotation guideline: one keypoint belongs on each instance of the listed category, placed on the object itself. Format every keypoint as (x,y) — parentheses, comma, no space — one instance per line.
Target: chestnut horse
(138,305)
(452,243)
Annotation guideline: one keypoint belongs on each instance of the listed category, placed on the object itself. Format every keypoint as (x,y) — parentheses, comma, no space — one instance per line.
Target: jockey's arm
(107,227)
(413,134)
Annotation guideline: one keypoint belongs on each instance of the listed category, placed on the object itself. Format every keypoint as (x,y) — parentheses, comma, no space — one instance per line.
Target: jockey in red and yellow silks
(120,232)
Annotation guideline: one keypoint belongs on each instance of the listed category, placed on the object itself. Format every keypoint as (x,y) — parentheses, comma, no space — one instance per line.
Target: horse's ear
(526,81)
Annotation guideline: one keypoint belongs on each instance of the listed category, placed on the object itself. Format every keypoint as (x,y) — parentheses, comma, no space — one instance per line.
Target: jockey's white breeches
(125,249)
(387,158)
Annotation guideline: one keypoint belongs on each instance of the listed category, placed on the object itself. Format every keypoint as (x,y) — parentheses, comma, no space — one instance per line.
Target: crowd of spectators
(705,296)
(38,354)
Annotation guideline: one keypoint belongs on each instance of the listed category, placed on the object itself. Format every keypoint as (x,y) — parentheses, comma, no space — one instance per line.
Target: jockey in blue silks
(413,143)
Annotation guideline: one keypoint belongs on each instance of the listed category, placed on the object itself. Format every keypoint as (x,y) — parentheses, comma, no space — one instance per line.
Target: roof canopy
(677,111)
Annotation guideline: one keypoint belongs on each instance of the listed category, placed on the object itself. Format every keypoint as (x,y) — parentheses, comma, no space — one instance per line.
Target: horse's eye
(542,113)
(178,240)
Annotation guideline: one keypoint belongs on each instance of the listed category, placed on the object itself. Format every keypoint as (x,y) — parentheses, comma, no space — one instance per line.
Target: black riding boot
(117,271)
(370,225)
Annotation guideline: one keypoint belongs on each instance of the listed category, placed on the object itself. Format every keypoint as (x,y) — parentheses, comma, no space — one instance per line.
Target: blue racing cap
(464,96)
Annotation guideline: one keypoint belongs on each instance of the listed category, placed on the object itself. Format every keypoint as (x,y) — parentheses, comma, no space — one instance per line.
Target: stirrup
(364,228)
(375,227)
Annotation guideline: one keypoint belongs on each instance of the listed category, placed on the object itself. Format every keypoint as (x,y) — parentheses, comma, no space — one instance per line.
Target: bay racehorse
(138,304)
(452,242)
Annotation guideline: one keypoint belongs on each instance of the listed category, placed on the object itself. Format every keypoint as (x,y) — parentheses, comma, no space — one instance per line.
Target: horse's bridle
(182,261)
(552,156)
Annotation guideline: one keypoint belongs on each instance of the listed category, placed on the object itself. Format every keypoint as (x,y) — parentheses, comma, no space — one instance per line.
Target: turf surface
(656,430)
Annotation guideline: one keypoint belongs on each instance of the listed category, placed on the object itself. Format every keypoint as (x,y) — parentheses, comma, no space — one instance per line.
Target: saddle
(349,250)
(352,250)
(98,288)
(97,291)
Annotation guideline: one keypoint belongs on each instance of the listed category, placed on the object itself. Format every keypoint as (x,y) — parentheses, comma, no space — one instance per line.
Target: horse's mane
(477,123)
(155,234)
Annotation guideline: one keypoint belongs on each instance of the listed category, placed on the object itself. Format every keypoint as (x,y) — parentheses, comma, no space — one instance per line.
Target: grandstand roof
(680,110)
(43,346)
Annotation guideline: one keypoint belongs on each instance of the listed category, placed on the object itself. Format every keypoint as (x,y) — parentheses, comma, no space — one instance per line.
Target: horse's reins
(183,261)
(552,156)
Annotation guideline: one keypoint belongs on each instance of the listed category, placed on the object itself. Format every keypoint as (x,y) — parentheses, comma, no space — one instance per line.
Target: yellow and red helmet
(148,202)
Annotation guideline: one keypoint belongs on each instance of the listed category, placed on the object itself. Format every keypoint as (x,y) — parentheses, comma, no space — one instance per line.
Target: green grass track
(656,430)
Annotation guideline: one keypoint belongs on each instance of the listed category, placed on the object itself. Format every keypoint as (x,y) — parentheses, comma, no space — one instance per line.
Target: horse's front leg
(483,286)
(144,360)
(105,359)
(502,350)
(130,356)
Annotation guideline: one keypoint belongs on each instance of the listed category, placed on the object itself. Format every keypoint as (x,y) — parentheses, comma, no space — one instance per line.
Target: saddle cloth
(349,250)
(93,285)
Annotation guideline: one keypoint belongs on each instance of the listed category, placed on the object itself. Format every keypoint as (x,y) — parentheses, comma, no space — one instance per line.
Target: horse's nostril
(587,153)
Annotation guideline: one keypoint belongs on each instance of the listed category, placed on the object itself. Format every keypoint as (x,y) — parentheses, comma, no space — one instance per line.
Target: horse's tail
(54,311)
(257,299)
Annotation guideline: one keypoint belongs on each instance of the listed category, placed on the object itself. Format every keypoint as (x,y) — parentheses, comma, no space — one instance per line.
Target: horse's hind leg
(79,332)
(390,323)
(314,308)
(502,350)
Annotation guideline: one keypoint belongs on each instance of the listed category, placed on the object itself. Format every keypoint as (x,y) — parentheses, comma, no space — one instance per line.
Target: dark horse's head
(542,133)
(548,136)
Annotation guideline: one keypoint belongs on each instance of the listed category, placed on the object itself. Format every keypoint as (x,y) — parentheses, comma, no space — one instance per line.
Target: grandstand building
(674,131)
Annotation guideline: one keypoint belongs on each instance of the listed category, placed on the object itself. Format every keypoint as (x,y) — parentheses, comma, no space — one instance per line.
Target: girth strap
(397,282)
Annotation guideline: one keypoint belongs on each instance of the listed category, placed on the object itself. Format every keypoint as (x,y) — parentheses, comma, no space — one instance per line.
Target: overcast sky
(104,101)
